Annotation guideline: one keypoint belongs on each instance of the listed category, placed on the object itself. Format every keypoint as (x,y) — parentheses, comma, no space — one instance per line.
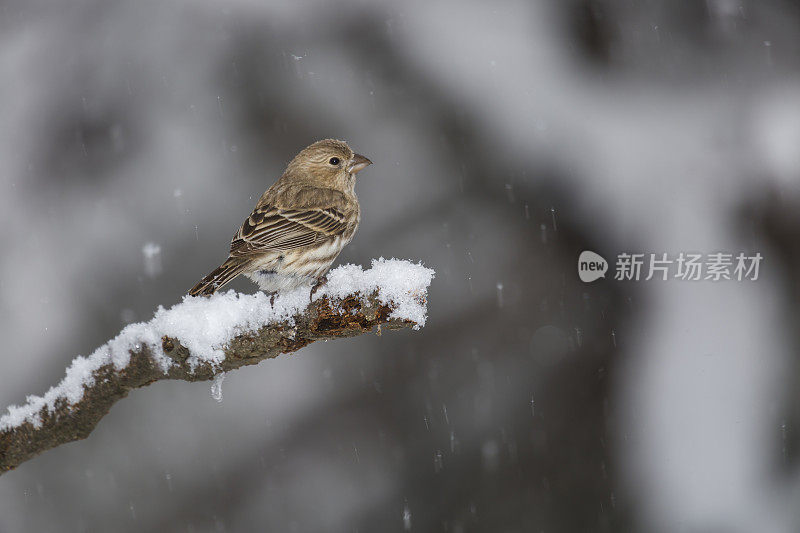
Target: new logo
(591,266)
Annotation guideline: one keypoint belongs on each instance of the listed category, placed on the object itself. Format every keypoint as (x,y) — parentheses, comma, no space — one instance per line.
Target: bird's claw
(320,282)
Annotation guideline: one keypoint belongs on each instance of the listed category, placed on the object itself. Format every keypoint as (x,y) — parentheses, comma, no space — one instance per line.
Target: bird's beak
(357,164)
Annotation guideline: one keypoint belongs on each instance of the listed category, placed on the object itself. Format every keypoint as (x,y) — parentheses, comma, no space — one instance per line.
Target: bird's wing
(270,228)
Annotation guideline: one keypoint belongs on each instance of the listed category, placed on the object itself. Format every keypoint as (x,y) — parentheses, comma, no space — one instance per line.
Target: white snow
(216,387)
(406,518)
(151,250)
(206,325)
(400,283)
(152,259)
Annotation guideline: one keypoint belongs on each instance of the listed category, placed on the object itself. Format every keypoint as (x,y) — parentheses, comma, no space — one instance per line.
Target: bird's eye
(334,161)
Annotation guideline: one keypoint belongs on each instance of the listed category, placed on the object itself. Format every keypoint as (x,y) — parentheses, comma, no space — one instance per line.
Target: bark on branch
(350,316)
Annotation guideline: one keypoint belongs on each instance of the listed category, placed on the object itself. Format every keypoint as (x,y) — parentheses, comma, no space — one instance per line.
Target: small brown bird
(299,225)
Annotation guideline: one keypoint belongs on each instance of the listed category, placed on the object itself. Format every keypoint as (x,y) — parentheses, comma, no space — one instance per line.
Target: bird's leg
(272,298)
(322,280)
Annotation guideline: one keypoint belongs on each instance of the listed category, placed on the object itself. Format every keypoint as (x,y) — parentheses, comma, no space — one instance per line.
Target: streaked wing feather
(271,229)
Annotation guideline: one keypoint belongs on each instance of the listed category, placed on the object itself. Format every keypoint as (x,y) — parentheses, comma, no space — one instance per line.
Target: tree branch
(60,421)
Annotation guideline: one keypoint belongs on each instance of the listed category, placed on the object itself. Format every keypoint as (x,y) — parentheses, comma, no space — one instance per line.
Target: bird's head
(328,163)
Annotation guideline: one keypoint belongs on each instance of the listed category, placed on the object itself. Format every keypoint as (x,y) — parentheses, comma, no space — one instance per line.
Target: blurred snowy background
(507,137)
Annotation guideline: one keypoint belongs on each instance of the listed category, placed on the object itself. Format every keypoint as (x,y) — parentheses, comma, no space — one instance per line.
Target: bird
(299,225)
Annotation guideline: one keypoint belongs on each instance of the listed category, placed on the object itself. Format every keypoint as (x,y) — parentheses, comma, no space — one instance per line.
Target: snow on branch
(202,337)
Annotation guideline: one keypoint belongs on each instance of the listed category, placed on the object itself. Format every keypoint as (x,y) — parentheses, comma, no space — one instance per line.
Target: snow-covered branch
(202,337)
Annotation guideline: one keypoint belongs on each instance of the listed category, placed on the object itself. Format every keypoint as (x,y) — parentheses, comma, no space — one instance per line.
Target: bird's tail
(219,277)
